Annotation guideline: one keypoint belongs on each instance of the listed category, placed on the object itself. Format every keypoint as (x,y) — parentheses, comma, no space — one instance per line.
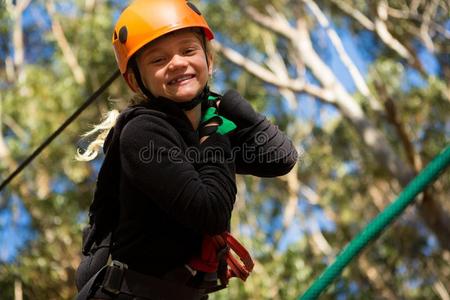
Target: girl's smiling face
(175,66)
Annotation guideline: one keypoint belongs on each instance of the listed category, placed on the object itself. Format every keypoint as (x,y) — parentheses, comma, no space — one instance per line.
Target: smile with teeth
(181,79)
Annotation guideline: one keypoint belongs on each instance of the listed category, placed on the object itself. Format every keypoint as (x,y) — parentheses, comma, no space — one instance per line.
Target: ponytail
(102,130)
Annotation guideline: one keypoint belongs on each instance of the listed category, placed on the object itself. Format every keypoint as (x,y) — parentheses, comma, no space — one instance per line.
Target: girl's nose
(177,61)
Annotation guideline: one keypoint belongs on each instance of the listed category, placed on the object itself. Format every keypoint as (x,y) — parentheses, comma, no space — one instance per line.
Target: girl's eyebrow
(182,42)
(189,40)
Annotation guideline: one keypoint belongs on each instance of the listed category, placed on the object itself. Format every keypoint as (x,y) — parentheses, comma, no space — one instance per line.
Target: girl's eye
(189,51)
(157,60)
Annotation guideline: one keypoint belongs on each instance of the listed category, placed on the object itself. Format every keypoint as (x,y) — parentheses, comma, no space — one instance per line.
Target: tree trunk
(432,213)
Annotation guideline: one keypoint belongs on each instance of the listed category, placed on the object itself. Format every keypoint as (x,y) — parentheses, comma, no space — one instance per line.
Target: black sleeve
(259,147)
(196,187)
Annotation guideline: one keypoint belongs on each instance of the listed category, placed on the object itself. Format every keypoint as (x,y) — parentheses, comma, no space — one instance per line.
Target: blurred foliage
(351,186)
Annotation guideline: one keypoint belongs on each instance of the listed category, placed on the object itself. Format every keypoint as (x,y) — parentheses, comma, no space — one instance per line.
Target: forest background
(361,87)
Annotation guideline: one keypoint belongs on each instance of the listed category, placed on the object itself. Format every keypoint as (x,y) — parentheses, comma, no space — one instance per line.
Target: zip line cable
(38,150)
(379,223)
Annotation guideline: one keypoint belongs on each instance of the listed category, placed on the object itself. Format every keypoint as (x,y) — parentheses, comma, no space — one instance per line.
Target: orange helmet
(145,20)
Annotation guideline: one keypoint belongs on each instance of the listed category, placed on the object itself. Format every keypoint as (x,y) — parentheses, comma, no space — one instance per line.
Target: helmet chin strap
(188,105)
(137,75)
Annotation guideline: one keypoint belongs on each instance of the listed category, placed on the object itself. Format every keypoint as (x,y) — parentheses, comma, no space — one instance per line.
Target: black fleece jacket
(173,189)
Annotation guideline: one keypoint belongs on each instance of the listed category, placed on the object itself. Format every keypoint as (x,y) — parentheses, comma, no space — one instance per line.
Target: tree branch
(343,55)
(376,278)
(60,38)
(440,289)
(435,217)
(385,35)
(333,92)
(276,23)
(355,14)
(381,194)
(415,5)
(372,137)
(320,241)
(392,116)
(379,26)
(16,11)
(407,14)
(15,128)
(18,290)
(297,85)
(89,5)
(276,63)
(4,151)
(428,15)
(293,187)
(348,106)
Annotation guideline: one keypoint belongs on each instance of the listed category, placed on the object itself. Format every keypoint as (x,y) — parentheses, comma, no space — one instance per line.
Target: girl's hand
(237,109)
(212,123)
(204,138)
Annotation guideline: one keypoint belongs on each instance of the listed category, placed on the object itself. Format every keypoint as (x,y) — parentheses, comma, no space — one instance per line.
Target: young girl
(171,160)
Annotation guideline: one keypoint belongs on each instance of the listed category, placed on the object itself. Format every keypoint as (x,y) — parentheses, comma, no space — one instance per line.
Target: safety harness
(98,271)
(216,249)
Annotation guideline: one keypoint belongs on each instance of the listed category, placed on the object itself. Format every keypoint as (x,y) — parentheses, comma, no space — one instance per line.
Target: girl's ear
(210,64)
(131,80)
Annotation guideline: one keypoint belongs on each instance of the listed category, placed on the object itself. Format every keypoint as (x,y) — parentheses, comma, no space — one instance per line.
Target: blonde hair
(101,130)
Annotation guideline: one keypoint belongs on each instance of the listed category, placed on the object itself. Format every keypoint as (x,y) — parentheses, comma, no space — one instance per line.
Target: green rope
(377,225)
